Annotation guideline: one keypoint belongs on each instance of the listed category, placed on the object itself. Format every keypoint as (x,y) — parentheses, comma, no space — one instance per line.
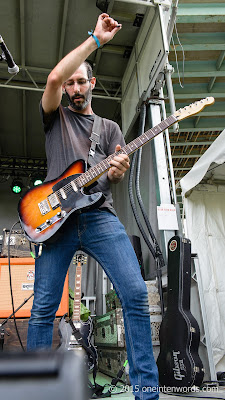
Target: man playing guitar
(97,232)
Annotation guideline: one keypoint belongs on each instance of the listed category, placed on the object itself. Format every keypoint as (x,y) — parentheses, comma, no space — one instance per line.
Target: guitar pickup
(75,345)
(44,207)
(54,201)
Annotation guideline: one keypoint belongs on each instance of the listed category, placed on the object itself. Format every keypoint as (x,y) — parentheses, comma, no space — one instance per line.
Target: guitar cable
(119,375)
(10,285)
(130,190)
(98,389)
(156,252)
(39,250)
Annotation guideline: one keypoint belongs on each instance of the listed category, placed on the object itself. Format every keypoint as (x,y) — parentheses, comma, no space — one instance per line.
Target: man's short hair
(89,69)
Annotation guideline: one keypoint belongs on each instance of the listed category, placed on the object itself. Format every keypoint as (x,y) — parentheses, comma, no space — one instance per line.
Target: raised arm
(105,30)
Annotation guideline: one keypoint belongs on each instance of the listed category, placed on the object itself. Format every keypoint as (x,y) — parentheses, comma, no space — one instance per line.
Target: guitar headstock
(80,259)
(193,108)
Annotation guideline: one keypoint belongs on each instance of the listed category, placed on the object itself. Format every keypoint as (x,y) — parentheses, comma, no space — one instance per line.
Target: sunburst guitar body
(43,209)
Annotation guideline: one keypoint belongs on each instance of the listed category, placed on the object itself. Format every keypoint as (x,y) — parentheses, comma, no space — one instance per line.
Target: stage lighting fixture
(38,181)
(37,178)
(17,185)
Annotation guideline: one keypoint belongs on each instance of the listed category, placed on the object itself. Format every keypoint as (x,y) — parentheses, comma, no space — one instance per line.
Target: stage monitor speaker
(22,272)
(43,375)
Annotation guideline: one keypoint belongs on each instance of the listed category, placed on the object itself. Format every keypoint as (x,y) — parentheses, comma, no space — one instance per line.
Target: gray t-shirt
(67,140)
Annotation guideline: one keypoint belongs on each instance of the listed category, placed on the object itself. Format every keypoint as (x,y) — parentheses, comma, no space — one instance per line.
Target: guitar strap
(94,138)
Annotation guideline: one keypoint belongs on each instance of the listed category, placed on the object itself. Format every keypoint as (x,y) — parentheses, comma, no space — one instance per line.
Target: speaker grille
(22,272)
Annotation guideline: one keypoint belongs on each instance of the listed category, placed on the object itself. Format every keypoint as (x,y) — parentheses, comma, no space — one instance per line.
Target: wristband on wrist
(94,37)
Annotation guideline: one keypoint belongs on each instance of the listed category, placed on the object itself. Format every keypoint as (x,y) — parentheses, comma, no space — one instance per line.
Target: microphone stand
(2,330)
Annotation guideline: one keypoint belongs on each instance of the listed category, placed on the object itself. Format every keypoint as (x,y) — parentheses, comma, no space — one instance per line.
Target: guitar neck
(99,169)
(77,293)
(96,171)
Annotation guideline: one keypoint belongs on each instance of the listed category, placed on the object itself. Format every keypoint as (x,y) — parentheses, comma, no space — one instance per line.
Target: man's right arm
(105,30)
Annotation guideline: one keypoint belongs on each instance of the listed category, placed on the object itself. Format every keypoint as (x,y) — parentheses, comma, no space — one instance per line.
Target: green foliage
(84,312)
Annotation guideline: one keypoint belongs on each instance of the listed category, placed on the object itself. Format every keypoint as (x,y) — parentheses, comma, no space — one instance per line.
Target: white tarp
(210,166)
(203,189)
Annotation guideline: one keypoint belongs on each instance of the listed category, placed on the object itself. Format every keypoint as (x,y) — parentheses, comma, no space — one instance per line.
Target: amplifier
(19,245)
(22,271)
(11,341)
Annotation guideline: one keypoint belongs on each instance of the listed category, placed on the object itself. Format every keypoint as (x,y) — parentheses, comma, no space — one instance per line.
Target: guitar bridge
(51,221)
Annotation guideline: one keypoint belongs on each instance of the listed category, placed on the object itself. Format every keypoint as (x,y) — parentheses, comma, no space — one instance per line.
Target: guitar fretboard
(97,170)
(77,293)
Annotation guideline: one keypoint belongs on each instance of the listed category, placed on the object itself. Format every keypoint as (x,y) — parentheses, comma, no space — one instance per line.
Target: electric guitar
(44,209)
(76,334)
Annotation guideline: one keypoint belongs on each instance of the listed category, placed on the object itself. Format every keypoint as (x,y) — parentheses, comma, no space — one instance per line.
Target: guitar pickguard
(73,198)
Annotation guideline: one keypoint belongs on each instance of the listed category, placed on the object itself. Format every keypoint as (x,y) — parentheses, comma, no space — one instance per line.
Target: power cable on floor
(10,285)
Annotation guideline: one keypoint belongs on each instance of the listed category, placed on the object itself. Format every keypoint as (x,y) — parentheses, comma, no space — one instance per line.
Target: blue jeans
(101,235)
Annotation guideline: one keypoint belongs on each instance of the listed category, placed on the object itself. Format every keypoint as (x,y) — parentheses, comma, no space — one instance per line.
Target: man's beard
(87,96)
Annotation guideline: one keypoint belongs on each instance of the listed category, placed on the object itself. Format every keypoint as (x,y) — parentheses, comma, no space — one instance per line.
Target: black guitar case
(178,362)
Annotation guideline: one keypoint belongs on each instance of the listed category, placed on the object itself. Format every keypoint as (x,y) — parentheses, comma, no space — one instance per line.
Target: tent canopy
(209,169)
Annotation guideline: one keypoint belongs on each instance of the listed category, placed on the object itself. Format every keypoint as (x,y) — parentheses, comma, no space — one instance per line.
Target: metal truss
(22,166)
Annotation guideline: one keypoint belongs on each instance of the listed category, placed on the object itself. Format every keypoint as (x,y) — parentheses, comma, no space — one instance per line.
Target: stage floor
(124,392)
(121,391)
